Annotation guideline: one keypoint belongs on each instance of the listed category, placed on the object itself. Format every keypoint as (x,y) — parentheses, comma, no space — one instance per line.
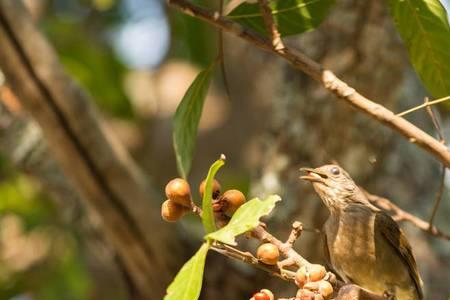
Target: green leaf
(291,16)
(188,282)
(424,28)
(187,118)
(244,219)
(207,211)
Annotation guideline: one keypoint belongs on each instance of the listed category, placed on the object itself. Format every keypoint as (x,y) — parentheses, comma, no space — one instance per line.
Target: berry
(172,212)
(215,188)
(232,200)
(269,293)
(178,191)
(261,296)
(304,295)
(301,277)
(268,253)
(325,288)
(316,272)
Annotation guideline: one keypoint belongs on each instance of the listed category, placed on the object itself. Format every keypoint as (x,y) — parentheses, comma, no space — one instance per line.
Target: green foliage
(187,118)
(244,219)
(291,16)
(424,28)
(188,282)
(207,215)
(60,274)
(91,63)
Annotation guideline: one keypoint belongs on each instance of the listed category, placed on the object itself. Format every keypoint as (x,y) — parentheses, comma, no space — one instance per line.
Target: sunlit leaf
(186,120)
(424,27)
(244,219)
(207,214)
(291,16)
(188,282)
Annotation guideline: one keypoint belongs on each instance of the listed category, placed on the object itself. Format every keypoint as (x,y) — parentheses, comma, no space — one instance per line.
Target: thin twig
(401,215)
(221,56)
(271,27)
(440,191)
(248,258)
(438,198)
(426,104)
(329,81)
(296,231)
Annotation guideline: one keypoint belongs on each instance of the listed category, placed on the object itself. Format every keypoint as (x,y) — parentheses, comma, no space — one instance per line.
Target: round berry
(178,191)
(304,295)
(325,288)
(261,296)
(215,188)
(316,272)
(268,253)
(269,293)
(301,277)
(232,200)
(172,212)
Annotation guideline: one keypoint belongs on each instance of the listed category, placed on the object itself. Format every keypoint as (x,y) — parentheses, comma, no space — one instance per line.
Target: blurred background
(137,58)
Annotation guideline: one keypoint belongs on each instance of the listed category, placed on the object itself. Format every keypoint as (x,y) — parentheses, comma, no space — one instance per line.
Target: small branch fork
(328,80)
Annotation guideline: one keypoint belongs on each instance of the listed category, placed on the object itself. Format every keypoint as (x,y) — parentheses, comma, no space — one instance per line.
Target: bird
(363,244)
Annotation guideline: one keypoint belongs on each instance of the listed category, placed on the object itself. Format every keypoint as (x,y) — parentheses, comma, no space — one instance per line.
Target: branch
(401,215)
(271,27)
(329,81)
(113,188)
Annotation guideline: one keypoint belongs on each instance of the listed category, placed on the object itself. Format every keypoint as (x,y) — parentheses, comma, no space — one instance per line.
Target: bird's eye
(335,171)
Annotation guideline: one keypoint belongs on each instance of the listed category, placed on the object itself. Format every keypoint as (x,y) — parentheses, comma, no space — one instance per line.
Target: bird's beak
(313,175)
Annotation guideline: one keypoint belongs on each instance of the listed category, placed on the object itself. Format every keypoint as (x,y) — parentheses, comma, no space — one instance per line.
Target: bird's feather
(394,235)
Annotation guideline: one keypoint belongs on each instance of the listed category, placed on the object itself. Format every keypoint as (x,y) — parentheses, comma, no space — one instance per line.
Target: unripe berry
(301,277)
(178,191)
(316,272)
(232,200)
(269,293)
(215,188)
(268,253)
(172,212)
(325,288)
(261,296)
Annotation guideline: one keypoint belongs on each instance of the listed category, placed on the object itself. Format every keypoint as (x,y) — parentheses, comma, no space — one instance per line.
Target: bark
(22,143)
(115,191)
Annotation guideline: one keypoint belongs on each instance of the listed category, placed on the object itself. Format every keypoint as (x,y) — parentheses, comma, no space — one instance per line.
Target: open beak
(313,175)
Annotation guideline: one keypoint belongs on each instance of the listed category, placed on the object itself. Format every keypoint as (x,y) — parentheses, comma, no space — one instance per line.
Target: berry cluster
(311,282)
(179,201)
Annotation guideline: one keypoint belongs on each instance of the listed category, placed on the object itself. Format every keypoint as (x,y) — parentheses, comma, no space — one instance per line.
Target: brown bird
(364,245)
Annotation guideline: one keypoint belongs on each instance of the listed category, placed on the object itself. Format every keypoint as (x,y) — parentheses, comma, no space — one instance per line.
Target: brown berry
(232,200)
(215,188)
(304,295)
(261,296)
(178,191)
(316,272)
(269,293)
(301,277)
(325,288)
(268,253)
(172,212)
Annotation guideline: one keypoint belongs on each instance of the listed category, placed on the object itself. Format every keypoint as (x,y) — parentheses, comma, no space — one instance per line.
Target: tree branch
(328,80)
(401,215)
(113,188)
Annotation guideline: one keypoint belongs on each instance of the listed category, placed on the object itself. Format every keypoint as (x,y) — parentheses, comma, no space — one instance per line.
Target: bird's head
(333,184)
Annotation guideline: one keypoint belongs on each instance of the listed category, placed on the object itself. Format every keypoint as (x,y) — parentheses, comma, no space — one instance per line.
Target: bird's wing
(394,235)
